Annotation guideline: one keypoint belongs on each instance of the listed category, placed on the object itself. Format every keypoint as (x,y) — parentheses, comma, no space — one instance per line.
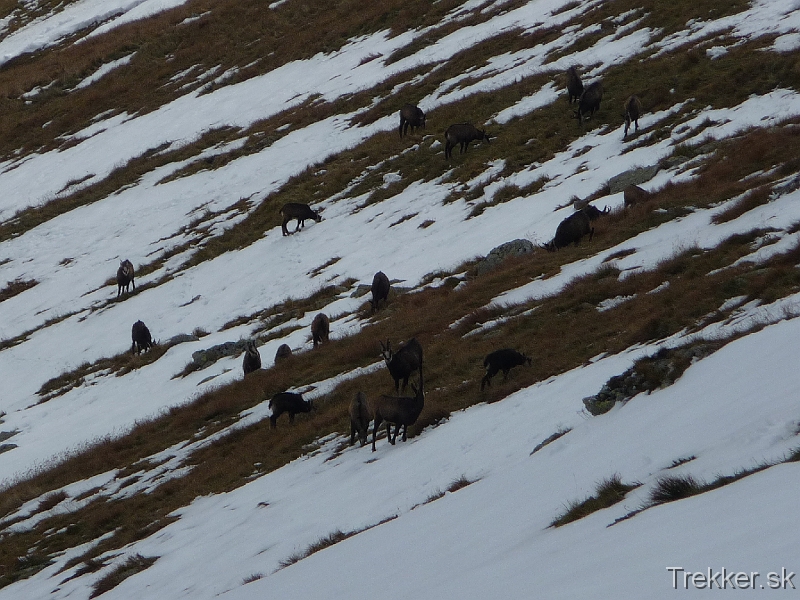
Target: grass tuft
(135,564)
(608,492)
(674,487)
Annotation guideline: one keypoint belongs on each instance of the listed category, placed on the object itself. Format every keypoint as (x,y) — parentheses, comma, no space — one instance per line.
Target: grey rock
(497,255)
(636,176)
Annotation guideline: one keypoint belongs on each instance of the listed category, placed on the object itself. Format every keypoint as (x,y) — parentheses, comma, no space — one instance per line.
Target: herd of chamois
(400,410)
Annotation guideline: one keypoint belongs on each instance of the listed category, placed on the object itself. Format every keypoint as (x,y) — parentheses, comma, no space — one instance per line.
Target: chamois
(125,276)
(403,362)
(633,109)
(571,230)
(299,211)
(501,360)
(380,289)
(142,340)
(595,213)
(359,418)
(400,410)
(574,85)
(412,116)
(589,100)
(320,329)
(252,358)
(287,402)
(284,351)
(461,134)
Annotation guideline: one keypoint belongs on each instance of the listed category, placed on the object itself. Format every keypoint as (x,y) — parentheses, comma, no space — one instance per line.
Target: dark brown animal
(320,329)
(633,109)
(299,211)
(252,358)
(142,341)
(590,100)
(501,360)
(571,230)
(400,410)
(380,289)
(125,276)
(287,402)
(633,194)
(359,419)
(595,213)
(403,362)
(411,116)
(461,134)
(574,85)
(284,352)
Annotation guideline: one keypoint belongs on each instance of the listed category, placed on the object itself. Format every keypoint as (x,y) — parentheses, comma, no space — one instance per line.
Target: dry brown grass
(563,333)
(12,288)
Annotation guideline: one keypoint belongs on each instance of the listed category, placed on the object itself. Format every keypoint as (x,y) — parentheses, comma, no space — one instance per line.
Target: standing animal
(571,230)
(359,419)
(589,100)
(142,340)
(501,360)
(287,402)
(574,85)
(400,410)
(461,134)
(633,194)
(403,362)
(593,212)
(633,109)
(252,359)
(284,352)
(412,116)
(320,329)
(125,276)
(299,211)
(380,289)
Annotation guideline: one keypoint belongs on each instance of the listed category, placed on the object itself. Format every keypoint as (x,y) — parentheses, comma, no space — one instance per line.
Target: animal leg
(389,433)
(375,426)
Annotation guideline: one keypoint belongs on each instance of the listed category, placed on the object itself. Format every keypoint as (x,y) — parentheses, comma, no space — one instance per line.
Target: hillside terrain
(654,434)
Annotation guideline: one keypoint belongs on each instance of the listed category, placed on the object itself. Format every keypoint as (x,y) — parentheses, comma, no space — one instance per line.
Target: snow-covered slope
(492,537)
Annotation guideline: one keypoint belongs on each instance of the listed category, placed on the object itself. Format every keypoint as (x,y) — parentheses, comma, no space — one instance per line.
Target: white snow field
(735,410)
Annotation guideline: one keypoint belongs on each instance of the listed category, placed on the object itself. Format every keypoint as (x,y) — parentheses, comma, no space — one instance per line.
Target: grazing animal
(412,116)
(284,352)
(593,212)
(359,419)
(633,194)
(287,402)
(125,276)
(589,100)
(574,85)
(400,410)
(501,360)
(403,362)
(299,211)
(633,109)
(461,134)
(571,230)
(252,359)
(320,329)
(380,289)
(142,341)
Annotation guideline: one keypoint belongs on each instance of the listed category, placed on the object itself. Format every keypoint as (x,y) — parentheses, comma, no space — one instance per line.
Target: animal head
(386,351)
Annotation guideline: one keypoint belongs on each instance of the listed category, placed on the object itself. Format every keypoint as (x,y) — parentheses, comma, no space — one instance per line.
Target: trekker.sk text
(724,579)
